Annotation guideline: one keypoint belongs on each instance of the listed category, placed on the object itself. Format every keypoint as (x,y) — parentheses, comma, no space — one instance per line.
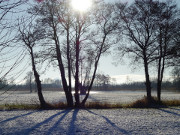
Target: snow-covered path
(165,121)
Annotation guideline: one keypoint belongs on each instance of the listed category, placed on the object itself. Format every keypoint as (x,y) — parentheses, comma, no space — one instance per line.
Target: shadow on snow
(170,112)
(123,131)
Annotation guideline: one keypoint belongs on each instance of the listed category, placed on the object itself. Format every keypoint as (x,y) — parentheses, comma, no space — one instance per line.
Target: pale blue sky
(120,72)
(123,70)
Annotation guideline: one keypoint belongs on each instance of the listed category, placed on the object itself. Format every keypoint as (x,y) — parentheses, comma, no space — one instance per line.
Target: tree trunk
(38,82)
(159,79)
(68,94)
(76,95)
(70,97)
(148,83)
(159,84)
(64,82)
(159,67)
(159,90)
(30,83)
(94,74)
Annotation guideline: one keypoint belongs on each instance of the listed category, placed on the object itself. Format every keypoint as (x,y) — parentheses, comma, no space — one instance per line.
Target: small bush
(145,103)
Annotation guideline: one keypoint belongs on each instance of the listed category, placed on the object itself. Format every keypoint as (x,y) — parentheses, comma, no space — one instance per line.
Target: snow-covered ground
(110,97)
(164,121)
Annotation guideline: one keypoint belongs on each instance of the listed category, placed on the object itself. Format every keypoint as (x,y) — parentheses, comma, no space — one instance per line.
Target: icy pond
(99,96)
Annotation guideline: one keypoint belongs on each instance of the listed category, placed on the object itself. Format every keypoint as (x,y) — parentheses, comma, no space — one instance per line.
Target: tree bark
(76,95)
(68,94)
(148,83)
(38,82)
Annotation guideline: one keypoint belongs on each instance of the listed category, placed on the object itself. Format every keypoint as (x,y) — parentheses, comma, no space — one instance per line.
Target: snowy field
(164,121)
(52,97)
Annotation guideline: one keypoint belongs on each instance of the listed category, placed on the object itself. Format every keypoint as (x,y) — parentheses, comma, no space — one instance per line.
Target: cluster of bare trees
(73,41)
(153,31)
(70,40)
(102,80)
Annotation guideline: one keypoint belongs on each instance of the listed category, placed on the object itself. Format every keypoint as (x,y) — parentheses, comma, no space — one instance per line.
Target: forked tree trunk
(68,94)
(70,97)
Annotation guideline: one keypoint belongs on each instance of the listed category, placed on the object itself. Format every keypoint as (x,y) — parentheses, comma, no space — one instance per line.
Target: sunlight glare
(81,5)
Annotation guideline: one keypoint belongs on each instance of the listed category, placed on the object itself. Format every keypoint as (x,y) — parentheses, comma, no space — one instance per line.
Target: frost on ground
(165,121)
(106,96)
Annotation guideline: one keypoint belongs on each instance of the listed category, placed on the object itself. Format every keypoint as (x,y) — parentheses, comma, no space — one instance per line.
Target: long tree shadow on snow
(177,109)
(123,131)
(31,129)
(16,117)
(72,126)
(55,126)
(170,112)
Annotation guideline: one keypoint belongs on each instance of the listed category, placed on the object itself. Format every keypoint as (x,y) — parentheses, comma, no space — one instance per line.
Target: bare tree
(29,35)
(152,27)
(168,29)
(79,41)
(139,30)
(102,80)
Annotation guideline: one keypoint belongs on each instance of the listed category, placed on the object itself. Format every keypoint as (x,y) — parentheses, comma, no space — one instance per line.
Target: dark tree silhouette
(29,35)
(139,29)
(168,28)
(79,41)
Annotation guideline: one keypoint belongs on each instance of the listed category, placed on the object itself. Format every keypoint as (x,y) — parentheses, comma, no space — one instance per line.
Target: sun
(81,5)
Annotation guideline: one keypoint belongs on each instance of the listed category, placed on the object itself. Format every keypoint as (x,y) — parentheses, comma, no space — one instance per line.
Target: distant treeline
(31,88)
(167,85)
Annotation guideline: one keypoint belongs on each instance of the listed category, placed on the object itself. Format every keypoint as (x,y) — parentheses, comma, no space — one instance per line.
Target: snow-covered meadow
(164,121)
(97,96)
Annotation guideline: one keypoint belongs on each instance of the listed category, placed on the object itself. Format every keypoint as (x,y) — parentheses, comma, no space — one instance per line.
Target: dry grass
(171,102)
(142,103)
(19,107)
(59,105)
